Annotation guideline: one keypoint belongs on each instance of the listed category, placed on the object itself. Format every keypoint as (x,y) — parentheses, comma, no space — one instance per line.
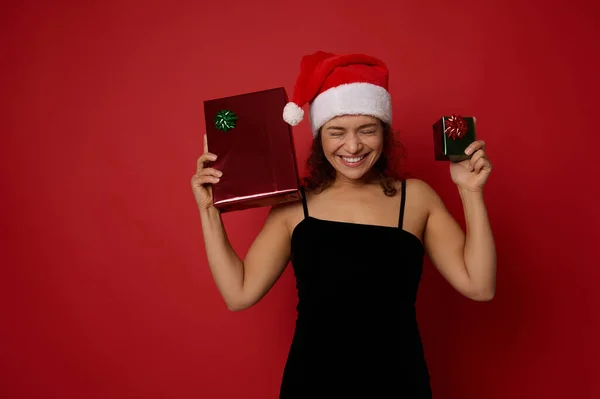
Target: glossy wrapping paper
(451,137)
(255,150)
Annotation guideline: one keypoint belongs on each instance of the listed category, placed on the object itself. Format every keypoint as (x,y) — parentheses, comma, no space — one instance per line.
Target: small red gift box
(255,150)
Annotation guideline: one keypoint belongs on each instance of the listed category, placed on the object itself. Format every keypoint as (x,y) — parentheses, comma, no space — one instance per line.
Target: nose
(353,143)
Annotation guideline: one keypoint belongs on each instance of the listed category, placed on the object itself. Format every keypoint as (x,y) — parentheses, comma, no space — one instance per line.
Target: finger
(479,165)
(210,172)
(207,156)
(487,165)
(476,157)
(474,146)
(203,180)
(205,143)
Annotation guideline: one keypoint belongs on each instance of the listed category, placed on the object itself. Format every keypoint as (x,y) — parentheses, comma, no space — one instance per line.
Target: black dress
(356,331)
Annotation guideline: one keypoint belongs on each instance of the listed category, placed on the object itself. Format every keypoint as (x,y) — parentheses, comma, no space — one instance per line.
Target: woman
(356,241)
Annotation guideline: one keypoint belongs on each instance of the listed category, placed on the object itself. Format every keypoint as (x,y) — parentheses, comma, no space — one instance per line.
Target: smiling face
(352,144)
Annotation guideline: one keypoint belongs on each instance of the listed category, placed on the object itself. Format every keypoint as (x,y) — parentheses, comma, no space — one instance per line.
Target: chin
(353,174)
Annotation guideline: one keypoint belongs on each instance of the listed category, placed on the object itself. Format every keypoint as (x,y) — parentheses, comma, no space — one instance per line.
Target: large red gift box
(255,150)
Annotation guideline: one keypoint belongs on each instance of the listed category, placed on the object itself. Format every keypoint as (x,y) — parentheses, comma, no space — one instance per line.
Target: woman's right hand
(204,178)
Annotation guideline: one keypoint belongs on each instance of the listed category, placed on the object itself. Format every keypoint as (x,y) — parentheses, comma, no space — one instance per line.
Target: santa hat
(334,85)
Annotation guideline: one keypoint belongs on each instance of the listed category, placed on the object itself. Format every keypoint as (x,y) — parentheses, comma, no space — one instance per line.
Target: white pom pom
(292,114)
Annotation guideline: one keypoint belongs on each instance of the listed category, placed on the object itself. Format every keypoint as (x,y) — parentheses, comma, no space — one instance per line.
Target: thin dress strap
(304,205)
(402,201)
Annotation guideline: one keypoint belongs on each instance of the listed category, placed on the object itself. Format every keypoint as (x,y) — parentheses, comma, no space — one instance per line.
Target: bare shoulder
(421,190)
(421,197)
(288,214)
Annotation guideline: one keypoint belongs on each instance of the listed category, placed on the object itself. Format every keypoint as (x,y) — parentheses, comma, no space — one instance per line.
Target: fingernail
(220,173)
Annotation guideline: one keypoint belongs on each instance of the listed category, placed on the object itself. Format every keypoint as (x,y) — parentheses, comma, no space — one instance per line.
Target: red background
(105,290)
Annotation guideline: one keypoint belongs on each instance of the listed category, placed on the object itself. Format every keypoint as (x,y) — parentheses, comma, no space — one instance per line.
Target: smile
(353,161)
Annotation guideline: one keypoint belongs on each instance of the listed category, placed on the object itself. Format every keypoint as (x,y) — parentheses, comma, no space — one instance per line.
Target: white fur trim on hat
(350,99)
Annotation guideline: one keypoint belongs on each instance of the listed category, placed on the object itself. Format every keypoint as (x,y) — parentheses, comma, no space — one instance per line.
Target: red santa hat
(334,85)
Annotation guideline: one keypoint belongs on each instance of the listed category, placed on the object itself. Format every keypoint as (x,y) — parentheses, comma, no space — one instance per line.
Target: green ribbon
(225,120)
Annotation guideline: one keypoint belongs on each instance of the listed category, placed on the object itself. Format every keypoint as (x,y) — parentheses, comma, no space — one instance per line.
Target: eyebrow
(343,128)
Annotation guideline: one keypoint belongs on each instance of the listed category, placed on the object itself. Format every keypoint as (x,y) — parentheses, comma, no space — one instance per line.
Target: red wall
(105,291)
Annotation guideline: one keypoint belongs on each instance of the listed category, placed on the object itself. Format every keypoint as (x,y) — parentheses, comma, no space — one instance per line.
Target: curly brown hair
(321,174)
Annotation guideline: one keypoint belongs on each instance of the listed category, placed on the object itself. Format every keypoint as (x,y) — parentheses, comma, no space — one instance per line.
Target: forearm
(225,265)
(480,250)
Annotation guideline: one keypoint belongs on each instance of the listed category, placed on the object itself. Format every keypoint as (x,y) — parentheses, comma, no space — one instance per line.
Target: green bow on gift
(225,120)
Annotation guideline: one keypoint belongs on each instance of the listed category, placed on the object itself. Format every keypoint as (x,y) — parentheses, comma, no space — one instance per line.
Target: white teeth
(352,160)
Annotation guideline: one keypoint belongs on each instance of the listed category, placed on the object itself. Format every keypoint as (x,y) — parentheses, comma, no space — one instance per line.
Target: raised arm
(241,283)
(467,261)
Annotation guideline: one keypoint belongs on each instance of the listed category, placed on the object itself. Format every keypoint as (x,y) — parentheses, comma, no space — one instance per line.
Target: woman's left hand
(472,174)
